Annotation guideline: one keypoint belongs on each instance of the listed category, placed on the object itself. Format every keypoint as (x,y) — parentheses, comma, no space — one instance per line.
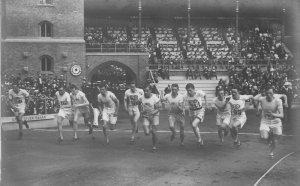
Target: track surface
(39,160)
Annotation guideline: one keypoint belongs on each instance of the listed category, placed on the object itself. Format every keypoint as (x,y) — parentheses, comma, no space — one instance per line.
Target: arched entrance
(115,74)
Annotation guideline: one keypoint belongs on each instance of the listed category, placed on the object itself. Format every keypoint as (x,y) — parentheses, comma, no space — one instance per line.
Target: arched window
(46,29)
(46,63)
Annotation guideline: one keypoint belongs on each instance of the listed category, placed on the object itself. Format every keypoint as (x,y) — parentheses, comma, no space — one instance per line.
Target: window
(46,63)
(46,29)
(47,2)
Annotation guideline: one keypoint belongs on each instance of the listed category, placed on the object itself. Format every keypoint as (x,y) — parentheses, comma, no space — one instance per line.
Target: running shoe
(237,143)
(90,129)
(172,137)
(132,140)
(226,132)
(200,143)
(271,155)
(59,140)
(107,141)
(26,124)
(20,136)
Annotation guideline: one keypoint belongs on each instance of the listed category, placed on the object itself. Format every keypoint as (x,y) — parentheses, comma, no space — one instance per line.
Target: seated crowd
(41,89)
(170,45)
(252,79)
(262,42)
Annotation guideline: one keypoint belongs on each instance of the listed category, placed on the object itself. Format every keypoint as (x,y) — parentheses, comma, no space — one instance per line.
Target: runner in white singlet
(270,125)
(132,100)
(223,114)
(176,111)
(193,99)
(109,107)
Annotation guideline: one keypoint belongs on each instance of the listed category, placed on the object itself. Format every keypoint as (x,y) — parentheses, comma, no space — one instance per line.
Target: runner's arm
(117,102)
(11,104)
(125,102)
(258,108)
(10,101)
(182,107)
(205,100)
(285,99)
(226,102)
(157,106)
(100,106)
(86,102)
(280,109)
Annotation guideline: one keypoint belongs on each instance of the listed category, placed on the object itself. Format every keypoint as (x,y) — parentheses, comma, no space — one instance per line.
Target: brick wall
(22,18)
(14,61)
(21,33)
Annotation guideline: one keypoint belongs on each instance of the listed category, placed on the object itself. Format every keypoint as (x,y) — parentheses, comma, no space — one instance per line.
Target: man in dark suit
(93,99)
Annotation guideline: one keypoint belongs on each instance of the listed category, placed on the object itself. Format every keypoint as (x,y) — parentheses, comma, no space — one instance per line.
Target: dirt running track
(38,160)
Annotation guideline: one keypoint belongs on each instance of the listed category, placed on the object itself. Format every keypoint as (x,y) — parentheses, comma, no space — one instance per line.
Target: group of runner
(142,103)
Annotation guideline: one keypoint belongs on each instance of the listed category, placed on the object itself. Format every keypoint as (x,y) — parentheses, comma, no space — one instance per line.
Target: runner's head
(175,89)
(147,90)
(73,88)
(221,94)
(132,86)
(269,93)
(61,90)
(15,87)
(235,92)
(102,87)
(190,88)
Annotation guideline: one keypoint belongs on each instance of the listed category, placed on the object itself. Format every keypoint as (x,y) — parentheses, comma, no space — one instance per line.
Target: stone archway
(96,71)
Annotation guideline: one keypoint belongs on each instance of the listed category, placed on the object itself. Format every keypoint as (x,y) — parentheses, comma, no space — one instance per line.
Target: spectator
(189,73)
(213,73)
(197,73)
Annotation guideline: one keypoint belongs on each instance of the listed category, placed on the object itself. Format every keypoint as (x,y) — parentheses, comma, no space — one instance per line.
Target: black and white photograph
(150,93)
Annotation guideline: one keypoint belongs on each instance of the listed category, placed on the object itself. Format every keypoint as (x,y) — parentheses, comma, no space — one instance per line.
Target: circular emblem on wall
(75,70)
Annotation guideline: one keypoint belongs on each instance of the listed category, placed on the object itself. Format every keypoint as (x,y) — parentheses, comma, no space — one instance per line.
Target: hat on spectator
(272,69)
(287,83)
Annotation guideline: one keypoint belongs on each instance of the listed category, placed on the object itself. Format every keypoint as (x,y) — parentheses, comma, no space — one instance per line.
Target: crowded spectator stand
(252,80)
(41,89)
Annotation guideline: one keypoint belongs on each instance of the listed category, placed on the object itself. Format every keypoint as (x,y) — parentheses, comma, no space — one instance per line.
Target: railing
(220,65)
(37,105)
(115,47)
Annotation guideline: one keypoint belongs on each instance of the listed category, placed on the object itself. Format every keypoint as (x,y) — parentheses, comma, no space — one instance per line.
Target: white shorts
(81,111)
(242,119)
(66,113)
(21,110)
(108,116)
(223,119)
(134,111)
(153,120)
(179,119)
(275,126)
(197,114)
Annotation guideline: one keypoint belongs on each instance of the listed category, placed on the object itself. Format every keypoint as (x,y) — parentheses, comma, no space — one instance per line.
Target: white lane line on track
(257,182)
(160,131)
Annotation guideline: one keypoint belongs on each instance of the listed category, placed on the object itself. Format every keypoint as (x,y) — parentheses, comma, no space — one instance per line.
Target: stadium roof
(199,8)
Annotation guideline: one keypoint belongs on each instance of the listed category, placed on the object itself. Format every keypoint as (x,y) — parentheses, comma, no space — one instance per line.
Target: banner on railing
(29,118)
